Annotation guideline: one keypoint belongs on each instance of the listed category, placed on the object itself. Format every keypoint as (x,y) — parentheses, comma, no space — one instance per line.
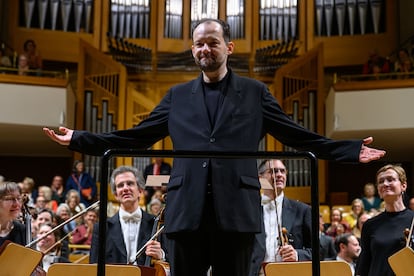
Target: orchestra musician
(11,202)
(130,228)
(286,235)
(384,234)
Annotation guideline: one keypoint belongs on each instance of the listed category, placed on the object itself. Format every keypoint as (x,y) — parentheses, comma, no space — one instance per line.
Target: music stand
(402,262)
(69,269)
(328,268)
(157,180)
(16,259)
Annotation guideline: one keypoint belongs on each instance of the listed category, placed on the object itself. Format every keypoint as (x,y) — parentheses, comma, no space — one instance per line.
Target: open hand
(368,154)
(63,139)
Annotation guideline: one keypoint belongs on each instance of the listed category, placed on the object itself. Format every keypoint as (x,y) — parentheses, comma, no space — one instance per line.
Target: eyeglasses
(275,170)
(18,199)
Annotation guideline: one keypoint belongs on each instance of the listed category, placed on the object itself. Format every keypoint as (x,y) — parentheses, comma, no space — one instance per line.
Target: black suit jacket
(115,246)
(247,113)
(297,219)
(327,248)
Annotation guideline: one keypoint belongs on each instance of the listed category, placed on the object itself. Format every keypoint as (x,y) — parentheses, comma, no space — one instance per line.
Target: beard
(208,64)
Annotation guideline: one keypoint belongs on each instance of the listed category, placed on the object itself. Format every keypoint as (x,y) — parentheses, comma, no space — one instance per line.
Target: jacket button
(212,140)
(204,164)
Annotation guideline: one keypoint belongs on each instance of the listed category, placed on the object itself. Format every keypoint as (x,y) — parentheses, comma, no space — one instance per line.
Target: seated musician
(11,201)
(130,228)
(279,214)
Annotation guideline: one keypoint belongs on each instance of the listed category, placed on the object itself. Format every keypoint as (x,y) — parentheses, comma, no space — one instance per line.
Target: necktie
(157,169)
(131,218)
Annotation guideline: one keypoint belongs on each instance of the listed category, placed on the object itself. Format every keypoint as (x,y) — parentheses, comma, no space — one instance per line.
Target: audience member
(402,57)
(376,64)
(63,212)
(58,188)
(82,182)
(74,204)
(40,203)
(28,189)
(411,203)
(157,167)
(53,251)
(154,207)
(371,201)
(357,209)
(46,192)
(327,246)
(34,59)
(42,217)
(348,248)
(338,225)
(384,234)
(281,212)
(23,67)
(130,228)
(83,232)
(361,220)
(10,208)
(4,59)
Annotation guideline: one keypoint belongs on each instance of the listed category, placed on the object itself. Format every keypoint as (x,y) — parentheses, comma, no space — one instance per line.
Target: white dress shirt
(130,231)
(271,226)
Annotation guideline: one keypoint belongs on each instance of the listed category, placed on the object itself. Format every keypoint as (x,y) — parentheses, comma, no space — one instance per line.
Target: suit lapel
(115,231)
(198,102)
(231,101)
(288,215)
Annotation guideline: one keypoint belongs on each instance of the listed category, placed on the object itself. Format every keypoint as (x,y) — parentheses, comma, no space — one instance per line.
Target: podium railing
(204,154)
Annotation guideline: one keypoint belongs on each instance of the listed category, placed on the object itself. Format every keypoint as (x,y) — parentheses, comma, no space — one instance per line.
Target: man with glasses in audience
(286,233)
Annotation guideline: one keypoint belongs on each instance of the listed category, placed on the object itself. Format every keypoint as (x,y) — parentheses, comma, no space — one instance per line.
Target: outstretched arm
(368,154)
(63,139)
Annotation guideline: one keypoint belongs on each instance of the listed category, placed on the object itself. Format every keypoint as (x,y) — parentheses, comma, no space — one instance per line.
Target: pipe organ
(278,19)
(341,17)
(64,15)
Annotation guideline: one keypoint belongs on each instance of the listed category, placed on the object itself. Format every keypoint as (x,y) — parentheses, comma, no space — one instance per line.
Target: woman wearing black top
(383,235)
(10,209)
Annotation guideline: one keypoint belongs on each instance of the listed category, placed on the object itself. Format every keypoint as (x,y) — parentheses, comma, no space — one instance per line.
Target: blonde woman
(383,235)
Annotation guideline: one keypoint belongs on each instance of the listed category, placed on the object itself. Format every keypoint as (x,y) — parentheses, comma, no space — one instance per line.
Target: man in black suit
(215,203)
(130,228)
(281,214)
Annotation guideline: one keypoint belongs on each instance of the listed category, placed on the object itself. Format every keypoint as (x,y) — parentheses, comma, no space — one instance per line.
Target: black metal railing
(111,153)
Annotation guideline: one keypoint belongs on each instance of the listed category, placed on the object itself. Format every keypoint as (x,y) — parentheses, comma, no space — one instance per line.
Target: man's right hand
(63,139)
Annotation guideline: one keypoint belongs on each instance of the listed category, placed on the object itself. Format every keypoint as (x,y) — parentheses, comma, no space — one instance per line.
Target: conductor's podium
(327,268)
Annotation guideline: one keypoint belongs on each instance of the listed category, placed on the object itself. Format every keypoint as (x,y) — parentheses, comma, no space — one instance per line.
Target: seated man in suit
(130,228)
(279,213)
(348,248)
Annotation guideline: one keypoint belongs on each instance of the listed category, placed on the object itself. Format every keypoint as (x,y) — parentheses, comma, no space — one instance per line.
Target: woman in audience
(63,213)
(357,209)
(371,202)
(34,60)
(337,221)
(83,182)
(47,193)
(10,209)
(384,234)
(54,251)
